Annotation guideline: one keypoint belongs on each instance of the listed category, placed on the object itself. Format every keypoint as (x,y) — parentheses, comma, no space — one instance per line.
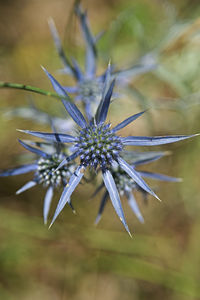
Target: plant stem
(33,89)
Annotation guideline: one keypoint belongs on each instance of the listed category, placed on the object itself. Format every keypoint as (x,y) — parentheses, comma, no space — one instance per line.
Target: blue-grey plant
(126,185)
(45,171)
(89,86)
(98,146)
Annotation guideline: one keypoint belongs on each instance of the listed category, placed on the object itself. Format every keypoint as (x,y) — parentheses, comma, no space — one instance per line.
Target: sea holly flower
(99,146)
(45,173)
(126,185)
(89,86)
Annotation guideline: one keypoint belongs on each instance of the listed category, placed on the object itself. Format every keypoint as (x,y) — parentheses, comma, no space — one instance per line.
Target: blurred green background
(76,260)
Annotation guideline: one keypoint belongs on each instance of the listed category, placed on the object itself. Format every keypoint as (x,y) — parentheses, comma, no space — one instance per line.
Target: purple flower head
(99,146)
(89,86)
(45,173)
(126,185)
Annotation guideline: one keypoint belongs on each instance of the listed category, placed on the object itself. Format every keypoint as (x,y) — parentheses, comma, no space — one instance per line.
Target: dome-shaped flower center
(46,173)
(122,180)
(98,145)
(90,90)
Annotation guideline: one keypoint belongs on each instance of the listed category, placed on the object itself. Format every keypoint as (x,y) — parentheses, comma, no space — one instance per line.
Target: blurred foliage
(74,259)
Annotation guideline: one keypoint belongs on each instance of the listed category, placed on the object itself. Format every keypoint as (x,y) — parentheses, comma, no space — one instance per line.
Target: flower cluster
(96,145)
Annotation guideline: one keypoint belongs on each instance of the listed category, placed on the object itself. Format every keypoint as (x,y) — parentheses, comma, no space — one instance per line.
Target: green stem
(33,89)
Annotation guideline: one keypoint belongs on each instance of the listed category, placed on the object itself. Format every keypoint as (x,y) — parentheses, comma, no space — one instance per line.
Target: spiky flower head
(98,146)
(127,186)
(124,183)
(88,86)
(45,171)
(96,137)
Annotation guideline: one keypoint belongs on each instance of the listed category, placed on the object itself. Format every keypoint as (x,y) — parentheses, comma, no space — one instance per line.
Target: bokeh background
(76,260)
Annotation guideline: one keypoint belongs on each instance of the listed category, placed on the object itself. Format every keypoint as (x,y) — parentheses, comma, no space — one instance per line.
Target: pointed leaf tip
(126,227)
(71,108)
(50,226)
(25,187)
(157,197)
(136,176)
(20,130)
(98,218)
(114,196)
(130,234)
(128,121)
(43,68)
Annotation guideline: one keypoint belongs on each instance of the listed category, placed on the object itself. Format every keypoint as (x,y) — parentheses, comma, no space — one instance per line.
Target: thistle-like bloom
(126,185)
(89,86)
(45,173)
(99,146)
